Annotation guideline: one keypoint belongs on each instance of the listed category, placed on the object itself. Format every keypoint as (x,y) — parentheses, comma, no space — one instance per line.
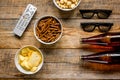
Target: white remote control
(24,20)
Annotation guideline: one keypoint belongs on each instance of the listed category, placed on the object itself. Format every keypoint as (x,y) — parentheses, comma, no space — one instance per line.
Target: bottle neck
(104,40)
(103,57)
(95,41)
(115,36)
(93,59)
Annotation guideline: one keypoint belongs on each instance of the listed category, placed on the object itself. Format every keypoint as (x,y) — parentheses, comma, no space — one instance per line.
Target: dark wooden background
(61,59)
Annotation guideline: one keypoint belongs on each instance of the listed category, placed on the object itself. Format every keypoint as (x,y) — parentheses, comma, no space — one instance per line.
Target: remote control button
(32,9)
(26,16)
(22,29)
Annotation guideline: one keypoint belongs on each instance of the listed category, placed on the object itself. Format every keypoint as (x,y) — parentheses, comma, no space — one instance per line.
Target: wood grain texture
(62,59)
(72,33)
(59,63)
(14,8)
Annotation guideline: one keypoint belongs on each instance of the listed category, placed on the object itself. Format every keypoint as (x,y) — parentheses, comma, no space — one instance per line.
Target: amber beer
(103,57)
(106,39)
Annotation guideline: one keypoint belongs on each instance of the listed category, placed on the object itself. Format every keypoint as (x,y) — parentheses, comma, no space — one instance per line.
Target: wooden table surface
(61,59)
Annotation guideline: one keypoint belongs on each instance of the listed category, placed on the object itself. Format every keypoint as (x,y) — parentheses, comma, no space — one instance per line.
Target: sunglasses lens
(104,28)
(88,28)
(103,15)
(87,15)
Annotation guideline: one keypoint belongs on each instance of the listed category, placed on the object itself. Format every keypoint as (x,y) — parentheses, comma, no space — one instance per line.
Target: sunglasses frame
(96,25)
(96,11)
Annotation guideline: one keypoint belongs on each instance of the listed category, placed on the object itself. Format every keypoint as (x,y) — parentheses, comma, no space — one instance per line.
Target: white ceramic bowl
(54,1)
(37,24)
(18,65)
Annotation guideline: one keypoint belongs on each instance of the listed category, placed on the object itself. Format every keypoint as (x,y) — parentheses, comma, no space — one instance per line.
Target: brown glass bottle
(111,57)
(106,39)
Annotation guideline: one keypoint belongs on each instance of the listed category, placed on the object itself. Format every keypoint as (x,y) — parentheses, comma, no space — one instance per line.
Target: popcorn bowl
(58,4)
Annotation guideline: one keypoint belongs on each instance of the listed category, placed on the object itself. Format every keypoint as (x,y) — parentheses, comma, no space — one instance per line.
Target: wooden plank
(70,39)
(59,63)
(8,25)
(7,39)
(14,8)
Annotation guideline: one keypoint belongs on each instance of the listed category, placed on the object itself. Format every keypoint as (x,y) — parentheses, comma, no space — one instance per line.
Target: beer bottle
(106,39)
(109,57)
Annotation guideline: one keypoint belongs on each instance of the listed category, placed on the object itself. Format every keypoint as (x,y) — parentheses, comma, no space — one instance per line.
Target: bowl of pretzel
(48,29)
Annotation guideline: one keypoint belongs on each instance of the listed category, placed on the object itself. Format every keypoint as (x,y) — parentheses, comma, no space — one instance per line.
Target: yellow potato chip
(34,59)
(26,58)
(21,58)
(25,65)
(34,69)
(24,52)
(29,54)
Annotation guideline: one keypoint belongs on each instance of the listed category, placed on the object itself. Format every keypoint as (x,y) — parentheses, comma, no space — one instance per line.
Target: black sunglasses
(101,14)
(103,27)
